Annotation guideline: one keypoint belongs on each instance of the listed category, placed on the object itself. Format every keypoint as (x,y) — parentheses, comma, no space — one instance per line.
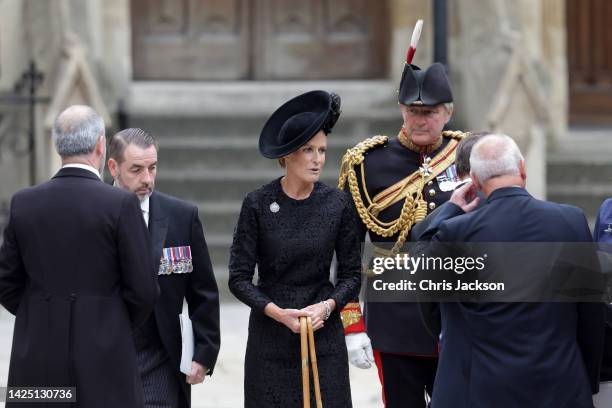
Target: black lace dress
(293,243)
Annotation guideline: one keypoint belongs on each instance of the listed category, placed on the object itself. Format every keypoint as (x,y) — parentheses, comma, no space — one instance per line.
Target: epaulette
(355,156)
(455,134)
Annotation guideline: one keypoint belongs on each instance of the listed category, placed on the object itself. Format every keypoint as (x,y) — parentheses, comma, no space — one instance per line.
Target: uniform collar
(408,144)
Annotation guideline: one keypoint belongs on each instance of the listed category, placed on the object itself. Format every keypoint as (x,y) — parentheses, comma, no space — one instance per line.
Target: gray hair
(126,137)
(495,155)
(449,106)
(77,130)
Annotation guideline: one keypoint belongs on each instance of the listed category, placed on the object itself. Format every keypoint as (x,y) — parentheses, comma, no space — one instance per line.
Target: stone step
(214,154)
(587,196)
(227,129)
(373,98)
(222,278)
(219,217)
(219,249)
(580,169)
(217,128)
(222,185)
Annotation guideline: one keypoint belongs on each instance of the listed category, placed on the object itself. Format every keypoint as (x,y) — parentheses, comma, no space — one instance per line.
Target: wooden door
(320,39)
(259,39)
(191,39)
(589,49)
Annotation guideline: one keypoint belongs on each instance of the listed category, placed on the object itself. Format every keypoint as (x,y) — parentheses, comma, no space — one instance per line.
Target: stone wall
(46,32)
(508,68)
(492,44)
(403,16)
(509,72)
(14,170)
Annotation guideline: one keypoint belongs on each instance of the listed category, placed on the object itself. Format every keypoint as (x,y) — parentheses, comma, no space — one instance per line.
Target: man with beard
(184,270)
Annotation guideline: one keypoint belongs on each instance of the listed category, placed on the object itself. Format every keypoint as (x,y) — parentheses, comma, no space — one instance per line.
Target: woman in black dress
(290,228)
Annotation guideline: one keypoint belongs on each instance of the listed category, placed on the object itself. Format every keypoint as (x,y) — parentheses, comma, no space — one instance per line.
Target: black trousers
(406,379)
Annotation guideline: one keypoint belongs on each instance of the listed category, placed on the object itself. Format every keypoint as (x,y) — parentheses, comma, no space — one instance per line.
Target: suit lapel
(158,227)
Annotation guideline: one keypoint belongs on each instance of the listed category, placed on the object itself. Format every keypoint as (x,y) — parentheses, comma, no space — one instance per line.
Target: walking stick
(313,361)
(305,375)
(307,335)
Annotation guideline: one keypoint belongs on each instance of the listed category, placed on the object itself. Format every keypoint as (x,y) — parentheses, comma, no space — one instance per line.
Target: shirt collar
(144,204)
(84,167)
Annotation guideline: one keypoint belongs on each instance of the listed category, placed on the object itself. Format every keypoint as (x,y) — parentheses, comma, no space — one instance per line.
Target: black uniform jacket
(73,270)
(397,327)
(175,223)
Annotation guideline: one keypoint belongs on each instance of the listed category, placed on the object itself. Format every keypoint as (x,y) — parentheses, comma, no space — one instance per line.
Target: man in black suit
(73,271)
(184,271)
(515,354)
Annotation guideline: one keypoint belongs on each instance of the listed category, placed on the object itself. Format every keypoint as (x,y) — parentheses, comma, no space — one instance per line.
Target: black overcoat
(75,269)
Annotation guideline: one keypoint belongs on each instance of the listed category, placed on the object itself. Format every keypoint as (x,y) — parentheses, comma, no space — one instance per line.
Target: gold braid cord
(414,208)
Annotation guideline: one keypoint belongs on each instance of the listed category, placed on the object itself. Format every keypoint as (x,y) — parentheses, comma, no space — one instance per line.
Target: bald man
(506,355)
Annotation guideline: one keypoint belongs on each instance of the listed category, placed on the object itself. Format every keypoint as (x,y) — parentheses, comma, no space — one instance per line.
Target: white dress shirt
(144,206)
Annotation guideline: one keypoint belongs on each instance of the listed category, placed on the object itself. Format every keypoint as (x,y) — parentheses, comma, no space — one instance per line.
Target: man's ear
(101,146)
(523,170)
(113,167)
(475,181)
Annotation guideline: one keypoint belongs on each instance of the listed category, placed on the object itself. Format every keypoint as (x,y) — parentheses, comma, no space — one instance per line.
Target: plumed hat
(424,87)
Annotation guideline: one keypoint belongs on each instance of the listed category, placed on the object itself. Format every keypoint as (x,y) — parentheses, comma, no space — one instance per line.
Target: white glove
(359,350)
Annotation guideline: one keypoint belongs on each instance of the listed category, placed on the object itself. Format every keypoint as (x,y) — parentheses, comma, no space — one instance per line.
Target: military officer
(395,182)
(184,274)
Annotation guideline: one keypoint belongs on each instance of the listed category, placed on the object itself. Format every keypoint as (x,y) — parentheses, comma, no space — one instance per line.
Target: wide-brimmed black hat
(428,87)
(297,121)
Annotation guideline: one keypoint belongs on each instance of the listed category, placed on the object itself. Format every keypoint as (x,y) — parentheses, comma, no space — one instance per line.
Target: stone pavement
(224,389)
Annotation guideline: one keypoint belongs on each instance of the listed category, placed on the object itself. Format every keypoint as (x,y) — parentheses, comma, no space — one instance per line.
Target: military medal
(425,168)
(274,207)
(175,260)
(448,180)
(609,229)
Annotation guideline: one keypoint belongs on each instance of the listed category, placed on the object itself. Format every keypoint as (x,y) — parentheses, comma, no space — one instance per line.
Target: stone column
(13,54)
(509,72)
(554,60)
(116,64)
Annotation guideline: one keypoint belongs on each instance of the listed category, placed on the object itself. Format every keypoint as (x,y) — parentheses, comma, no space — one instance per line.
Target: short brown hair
(126,137)
(464,150)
